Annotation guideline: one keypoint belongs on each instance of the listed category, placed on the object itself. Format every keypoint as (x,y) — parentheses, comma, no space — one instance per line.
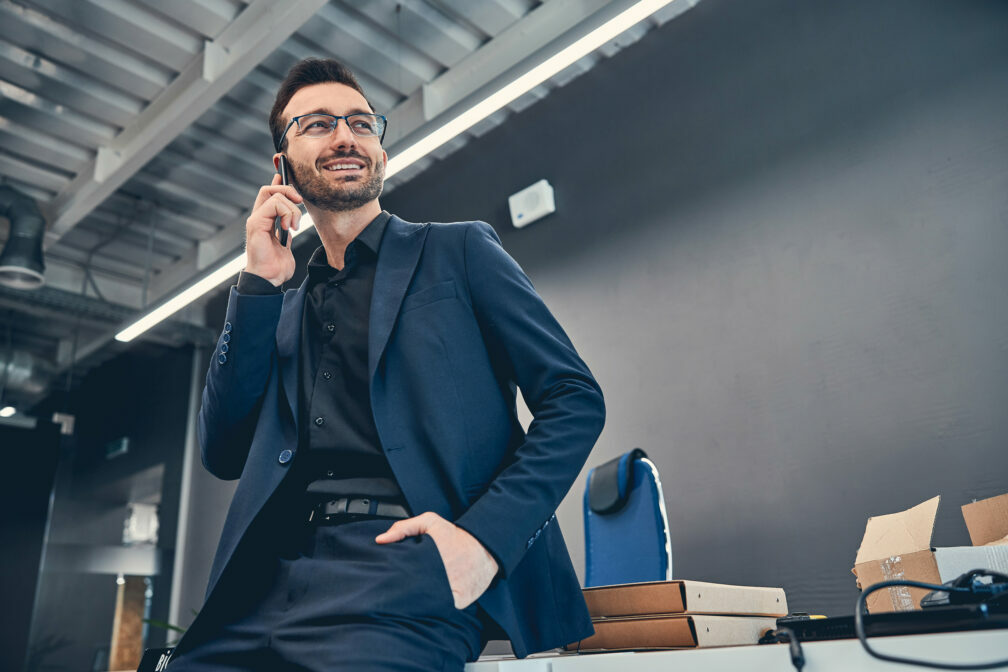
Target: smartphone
(278,231)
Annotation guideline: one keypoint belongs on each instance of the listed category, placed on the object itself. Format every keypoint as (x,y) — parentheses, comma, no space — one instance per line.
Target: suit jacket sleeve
(236,381)
(565,401)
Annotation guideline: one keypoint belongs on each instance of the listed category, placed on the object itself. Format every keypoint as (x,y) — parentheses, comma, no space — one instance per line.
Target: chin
(348,178)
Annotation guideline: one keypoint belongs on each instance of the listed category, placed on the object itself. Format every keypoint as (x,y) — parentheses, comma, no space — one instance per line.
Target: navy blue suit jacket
(455,324)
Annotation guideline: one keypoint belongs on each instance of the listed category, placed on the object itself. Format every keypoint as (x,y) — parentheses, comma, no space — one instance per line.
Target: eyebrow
(324,110)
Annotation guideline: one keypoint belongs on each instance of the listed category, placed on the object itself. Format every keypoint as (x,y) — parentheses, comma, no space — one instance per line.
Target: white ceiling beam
(254,34)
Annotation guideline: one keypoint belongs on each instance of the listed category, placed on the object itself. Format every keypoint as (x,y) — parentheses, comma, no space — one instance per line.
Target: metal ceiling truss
(430,104)
(263,26)
(137,124)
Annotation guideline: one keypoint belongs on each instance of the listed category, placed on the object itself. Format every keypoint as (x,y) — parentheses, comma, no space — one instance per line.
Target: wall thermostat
(531,203)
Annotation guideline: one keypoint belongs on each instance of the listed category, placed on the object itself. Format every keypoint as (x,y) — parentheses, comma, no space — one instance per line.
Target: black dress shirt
(344,454)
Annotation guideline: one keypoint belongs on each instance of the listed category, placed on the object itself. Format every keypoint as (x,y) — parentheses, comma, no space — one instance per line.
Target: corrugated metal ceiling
(140,126)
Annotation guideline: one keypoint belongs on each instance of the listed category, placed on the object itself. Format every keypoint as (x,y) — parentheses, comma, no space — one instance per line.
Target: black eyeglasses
(319,125)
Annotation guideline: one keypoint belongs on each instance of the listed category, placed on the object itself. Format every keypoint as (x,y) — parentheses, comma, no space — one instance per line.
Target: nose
(342,136)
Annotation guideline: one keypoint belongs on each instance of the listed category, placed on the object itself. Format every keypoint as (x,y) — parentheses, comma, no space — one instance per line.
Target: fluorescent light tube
(467,119)
(525,83)
(182,299)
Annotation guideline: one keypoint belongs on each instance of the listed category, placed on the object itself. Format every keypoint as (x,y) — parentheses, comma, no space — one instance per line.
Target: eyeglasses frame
(337,117)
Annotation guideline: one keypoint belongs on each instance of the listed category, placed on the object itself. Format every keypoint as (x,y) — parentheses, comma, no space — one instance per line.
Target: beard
(341,195)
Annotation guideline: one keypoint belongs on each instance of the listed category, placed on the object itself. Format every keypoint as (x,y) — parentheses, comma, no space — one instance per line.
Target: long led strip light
(456,126)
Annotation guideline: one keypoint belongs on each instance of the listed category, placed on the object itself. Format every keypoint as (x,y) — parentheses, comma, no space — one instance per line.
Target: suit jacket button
(224,347)
(226,337)
(227,327)
(221,358)
(285,456)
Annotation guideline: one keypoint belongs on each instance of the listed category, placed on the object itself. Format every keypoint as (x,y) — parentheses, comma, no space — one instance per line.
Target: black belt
(338,510)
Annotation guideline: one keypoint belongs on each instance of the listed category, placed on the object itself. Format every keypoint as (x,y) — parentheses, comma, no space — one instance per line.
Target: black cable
(859,627)
(797,655)
(785,635)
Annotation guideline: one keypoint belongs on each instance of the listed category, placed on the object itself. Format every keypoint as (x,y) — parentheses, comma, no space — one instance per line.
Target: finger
(285,206)
(264,217)
(266,192)
(295,218)
(256,228)
(409,527)
(286,215)
(290,226)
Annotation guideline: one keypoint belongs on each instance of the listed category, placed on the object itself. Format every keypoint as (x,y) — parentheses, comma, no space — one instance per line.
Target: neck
(337,230)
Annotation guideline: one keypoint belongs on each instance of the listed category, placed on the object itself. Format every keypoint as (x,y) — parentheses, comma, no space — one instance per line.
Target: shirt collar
(372,233)
(370,238)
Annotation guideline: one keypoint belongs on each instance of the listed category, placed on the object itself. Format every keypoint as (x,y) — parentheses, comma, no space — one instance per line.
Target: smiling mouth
(342,168)
(346,165)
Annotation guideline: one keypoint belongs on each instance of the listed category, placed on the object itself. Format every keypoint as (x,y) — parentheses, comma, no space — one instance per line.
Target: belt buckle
(358,506)
(329,510)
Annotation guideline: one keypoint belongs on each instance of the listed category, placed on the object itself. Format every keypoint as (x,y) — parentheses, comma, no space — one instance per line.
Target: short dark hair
(305,73)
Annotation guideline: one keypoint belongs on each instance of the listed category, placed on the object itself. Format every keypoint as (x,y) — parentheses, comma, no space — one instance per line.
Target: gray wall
(786,269)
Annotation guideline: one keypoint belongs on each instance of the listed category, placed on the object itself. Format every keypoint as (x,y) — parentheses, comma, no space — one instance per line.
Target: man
(391,514)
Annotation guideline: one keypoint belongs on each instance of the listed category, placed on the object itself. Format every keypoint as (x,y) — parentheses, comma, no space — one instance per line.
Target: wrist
(250,282)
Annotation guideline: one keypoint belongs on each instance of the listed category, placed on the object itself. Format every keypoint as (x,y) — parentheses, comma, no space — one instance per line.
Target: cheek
(301,169)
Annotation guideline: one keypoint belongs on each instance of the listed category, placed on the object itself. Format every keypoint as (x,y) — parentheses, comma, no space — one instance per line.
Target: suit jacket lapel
(397,259)
(288,340)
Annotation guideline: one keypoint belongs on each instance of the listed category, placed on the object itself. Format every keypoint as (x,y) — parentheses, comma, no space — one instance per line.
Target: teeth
(343,166)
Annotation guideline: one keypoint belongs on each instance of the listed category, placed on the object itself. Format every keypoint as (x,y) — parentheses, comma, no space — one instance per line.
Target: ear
(385,157)
(276,161)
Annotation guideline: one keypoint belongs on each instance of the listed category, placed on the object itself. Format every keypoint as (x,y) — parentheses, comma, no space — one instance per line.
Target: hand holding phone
(267,240)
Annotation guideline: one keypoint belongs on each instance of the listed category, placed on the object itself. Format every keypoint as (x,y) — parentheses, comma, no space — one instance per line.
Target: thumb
(408,527)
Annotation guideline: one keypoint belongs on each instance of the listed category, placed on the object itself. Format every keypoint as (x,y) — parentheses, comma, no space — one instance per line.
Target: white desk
(832,656)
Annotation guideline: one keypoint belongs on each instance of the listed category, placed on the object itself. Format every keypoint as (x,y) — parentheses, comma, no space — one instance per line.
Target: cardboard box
(898,546)
(673,632)
(676,597)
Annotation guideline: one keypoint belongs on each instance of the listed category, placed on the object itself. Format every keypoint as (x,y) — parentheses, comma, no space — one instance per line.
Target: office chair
(626,527)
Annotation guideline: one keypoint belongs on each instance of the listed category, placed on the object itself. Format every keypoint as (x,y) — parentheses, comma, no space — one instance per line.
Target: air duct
(24,372)
(21,263)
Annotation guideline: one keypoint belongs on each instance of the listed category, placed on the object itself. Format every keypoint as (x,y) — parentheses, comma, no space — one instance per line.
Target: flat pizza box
(684,631)
(898,546)
(678,597)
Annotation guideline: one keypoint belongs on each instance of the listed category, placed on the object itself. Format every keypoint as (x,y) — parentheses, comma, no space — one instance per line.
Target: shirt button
(319,421)
(330,327)
(285,456)
(326,375)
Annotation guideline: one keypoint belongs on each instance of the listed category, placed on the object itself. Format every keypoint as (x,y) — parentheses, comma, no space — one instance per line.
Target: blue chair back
(626,527)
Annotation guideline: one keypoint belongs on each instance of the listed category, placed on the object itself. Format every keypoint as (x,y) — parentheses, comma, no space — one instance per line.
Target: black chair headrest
(609,484)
